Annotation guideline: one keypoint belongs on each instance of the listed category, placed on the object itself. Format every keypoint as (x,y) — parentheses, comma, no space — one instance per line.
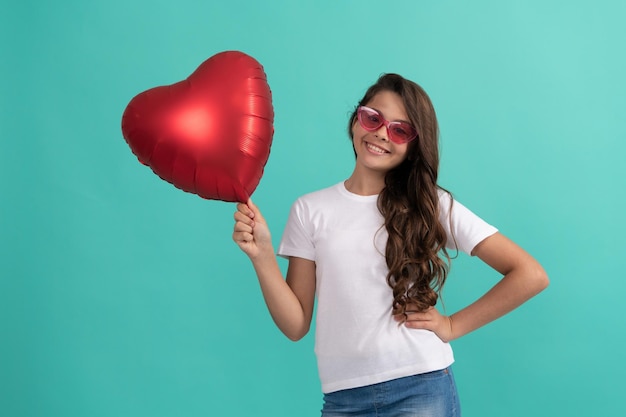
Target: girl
(373,249)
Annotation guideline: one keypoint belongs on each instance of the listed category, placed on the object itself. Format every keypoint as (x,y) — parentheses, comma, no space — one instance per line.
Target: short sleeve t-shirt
(357,341)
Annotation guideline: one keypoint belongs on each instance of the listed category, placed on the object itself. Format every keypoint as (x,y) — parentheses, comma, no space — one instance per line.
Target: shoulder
(330,205)
(446,202)
(444,195)
(320,198)
(464,228)
(310,210)
(322,194)
(449,207)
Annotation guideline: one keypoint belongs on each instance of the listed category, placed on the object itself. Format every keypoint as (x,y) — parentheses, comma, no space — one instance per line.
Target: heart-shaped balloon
(209,134)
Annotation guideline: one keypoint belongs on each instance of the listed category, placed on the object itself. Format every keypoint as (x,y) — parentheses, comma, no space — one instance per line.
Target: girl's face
(374,150)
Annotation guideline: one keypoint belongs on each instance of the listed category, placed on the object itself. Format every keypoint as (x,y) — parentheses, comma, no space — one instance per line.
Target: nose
(382,133)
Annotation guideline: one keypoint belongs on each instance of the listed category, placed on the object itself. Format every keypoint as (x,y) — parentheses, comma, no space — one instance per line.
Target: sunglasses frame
(386,123)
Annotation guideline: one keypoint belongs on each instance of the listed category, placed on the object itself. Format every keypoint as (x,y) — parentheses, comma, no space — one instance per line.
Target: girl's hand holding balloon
(251,232)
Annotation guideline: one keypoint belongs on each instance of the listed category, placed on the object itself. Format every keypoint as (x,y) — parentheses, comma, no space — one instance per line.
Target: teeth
(375,148)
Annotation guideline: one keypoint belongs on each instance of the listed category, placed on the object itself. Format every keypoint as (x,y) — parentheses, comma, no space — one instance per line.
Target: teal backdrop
(121,295)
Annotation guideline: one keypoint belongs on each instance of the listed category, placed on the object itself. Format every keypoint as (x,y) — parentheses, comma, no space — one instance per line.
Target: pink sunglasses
(399,132)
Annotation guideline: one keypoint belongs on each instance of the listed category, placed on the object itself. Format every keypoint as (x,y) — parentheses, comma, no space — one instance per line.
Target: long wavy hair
(416,255)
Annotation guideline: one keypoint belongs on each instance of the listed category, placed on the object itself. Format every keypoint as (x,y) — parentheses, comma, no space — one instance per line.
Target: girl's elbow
(296,334)
(295,337)
(540,278)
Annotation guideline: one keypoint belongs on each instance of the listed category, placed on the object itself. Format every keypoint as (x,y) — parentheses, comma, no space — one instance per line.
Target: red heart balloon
(209,134)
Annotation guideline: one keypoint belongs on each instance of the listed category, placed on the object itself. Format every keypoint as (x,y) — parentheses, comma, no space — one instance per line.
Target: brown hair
(409,204)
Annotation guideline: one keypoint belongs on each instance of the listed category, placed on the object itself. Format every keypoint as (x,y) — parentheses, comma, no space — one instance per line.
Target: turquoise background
(123,296)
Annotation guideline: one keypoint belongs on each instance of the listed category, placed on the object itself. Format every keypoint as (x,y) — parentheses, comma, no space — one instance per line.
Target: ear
(352,129)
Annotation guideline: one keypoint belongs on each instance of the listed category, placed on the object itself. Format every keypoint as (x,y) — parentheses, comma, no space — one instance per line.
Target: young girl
(373,249)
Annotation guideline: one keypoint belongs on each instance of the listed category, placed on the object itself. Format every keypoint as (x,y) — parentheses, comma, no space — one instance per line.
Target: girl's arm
(523,279)
(289,302)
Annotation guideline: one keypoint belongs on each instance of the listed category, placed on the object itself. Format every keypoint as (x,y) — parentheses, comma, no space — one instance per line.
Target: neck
(362,184)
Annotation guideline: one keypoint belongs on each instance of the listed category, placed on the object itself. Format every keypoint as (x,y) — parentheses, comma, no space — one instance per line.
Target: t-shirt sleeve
(464,229)
(297,238)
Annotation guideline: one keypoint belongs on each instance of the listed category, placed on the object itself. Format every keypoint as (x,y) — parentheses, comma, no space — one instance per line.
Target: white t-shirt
(357,341)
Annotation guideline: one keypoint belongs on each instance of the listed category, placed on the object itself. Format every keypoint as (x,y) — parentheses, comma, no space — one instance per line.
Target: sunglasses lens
(369,119)
(402,132)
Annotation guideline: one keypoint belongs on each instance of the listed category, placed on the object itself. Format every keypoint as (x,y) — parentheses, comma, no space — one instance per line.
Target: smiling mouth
(375,149)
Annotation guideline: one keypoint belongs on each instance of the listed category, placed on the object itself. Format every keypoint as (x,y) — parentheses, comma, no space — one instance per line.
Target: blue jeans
(432,394)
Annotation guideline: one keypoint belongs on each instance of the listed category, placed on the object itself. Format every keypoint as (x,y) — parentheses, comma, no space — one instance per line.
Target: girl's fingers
(243,218)
(242,237)
(414,317)
(242,228)
(256,213)
(427,315)
(245,210)
(413,314)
